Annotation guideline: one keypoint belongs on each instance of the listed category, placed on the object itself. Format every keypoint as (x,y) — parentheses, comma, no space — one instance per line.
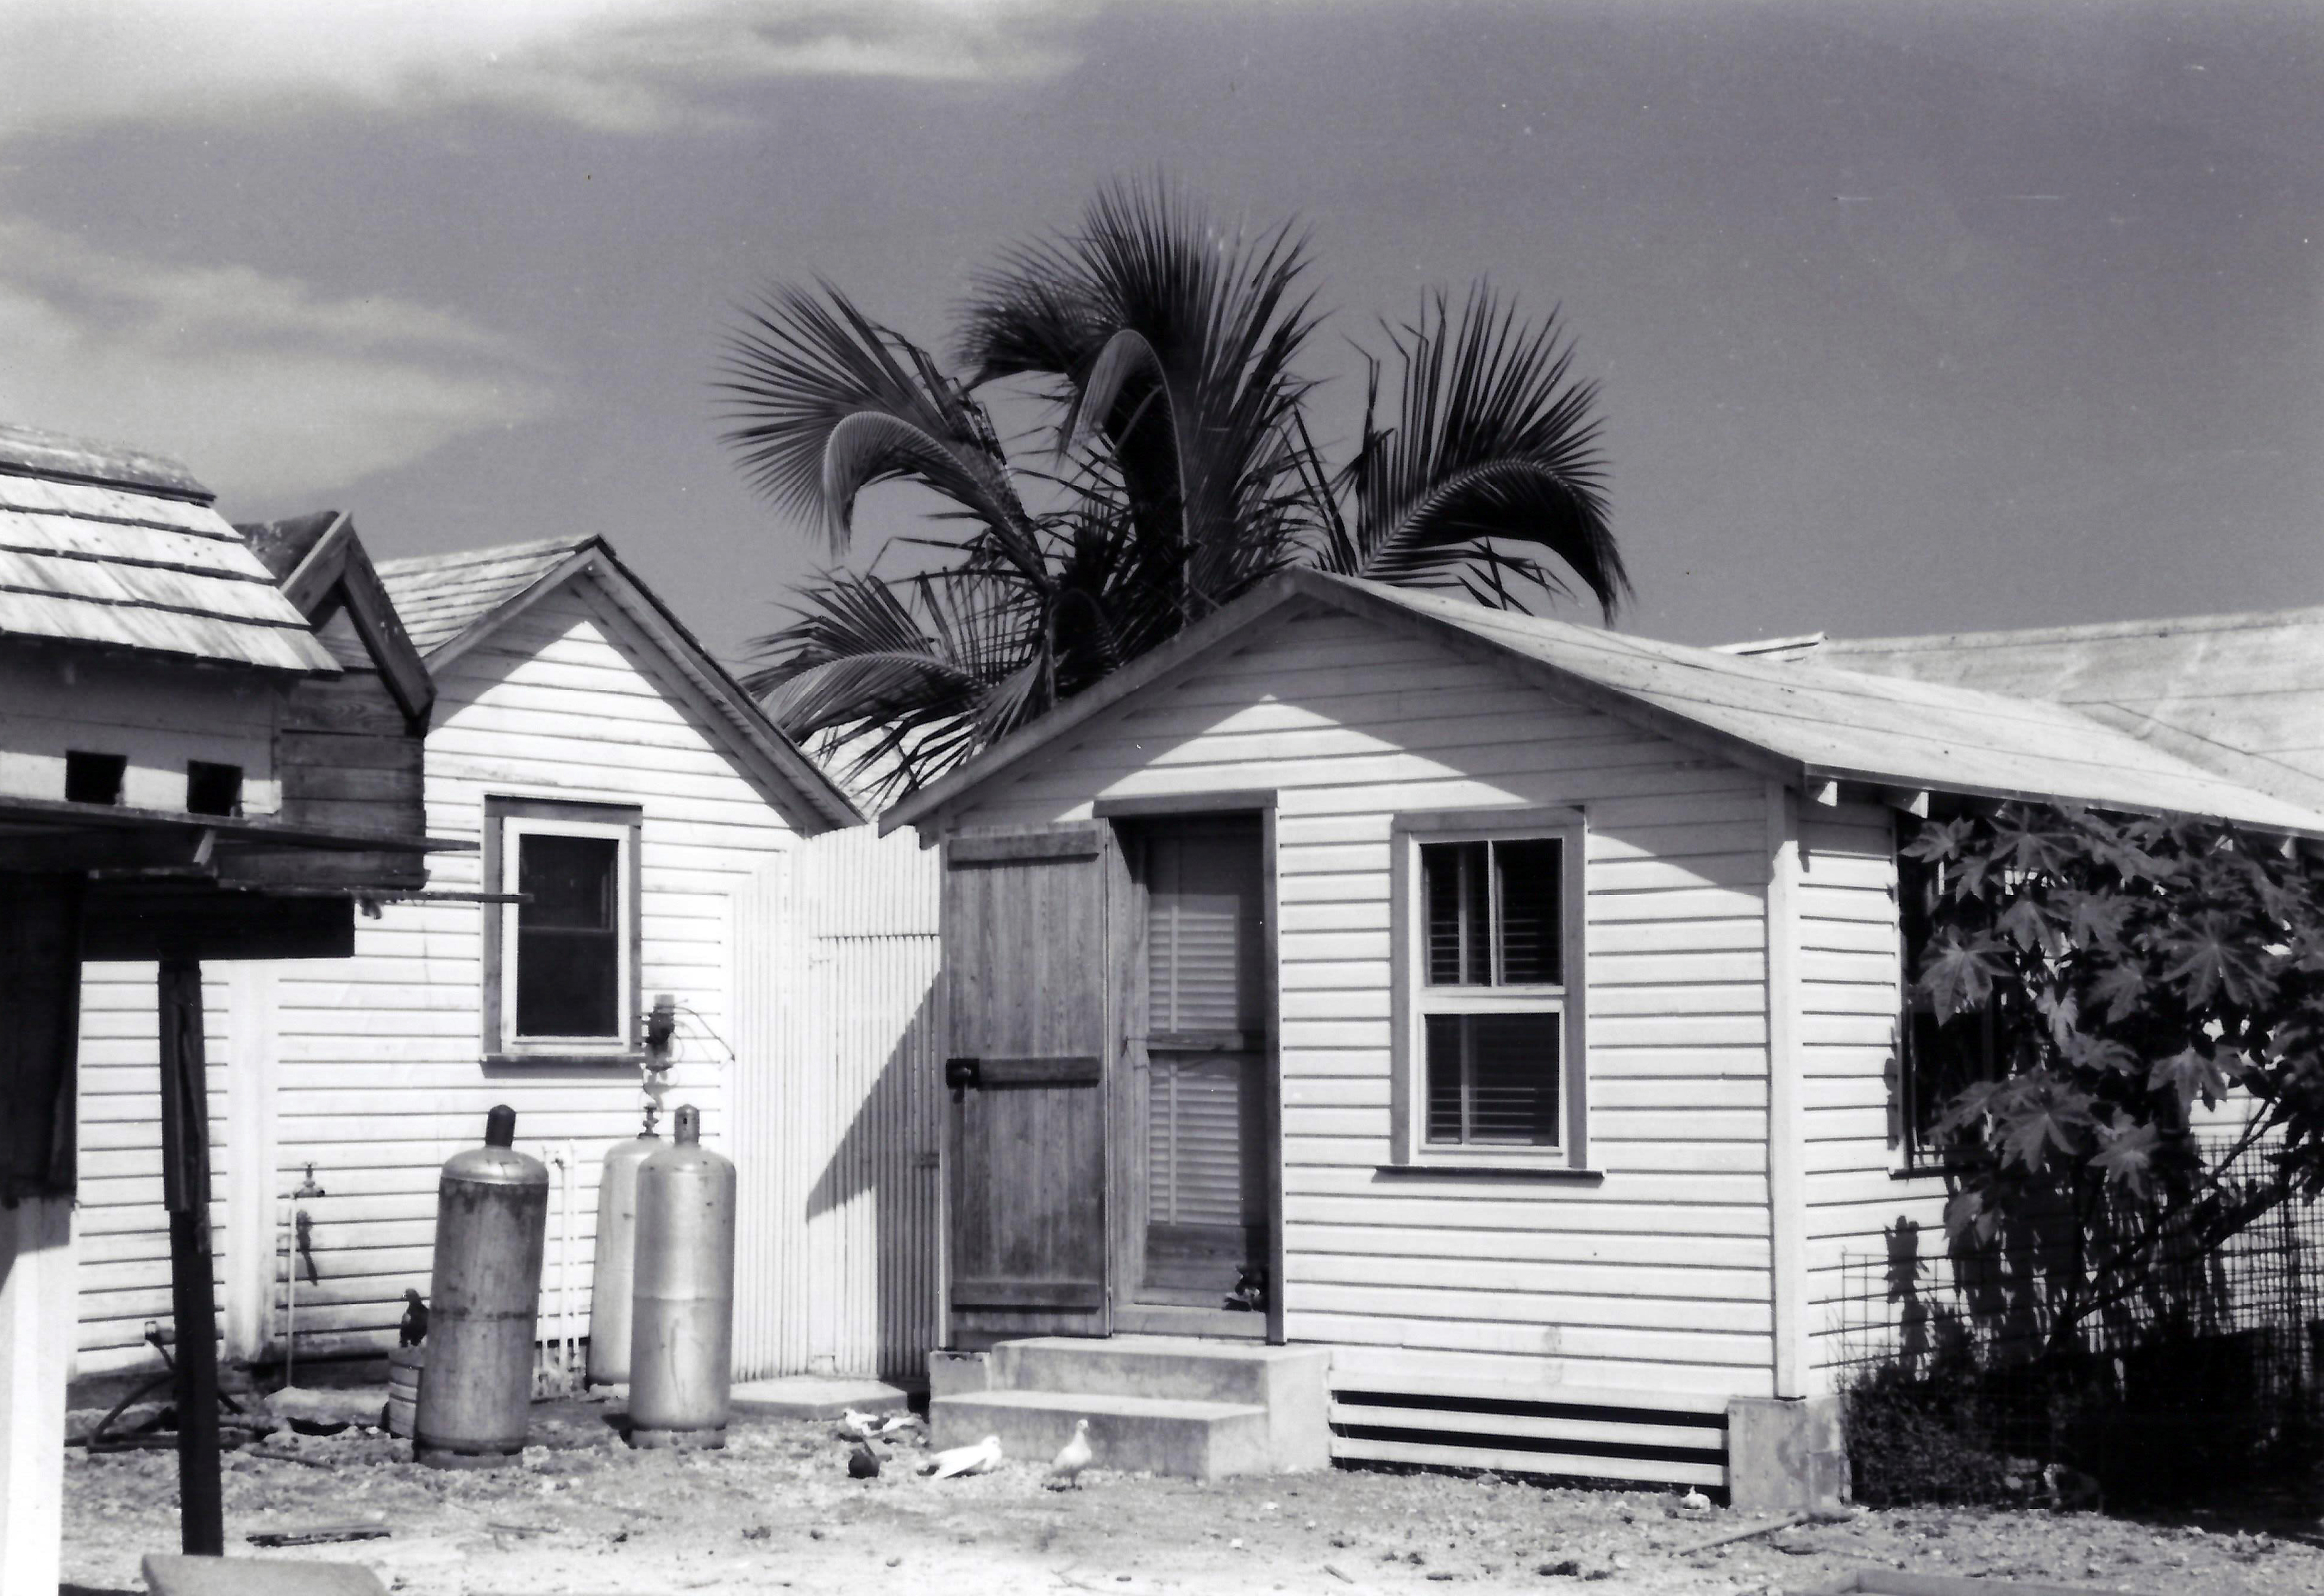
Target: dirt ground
(582,1513)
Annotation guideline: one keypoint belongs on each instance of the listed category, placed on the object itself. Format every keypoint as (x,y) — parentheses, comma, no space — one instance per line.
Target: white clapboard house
(1509,1007)
(671,842)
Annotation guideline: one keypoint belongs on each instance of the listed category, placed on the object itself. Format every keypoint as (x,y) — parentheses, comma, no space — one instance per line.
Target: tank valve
(661,1028)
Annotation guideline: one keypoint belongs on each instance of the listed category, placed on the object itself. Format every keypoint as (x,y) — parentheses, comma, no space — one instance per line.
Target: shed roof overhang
(1813,729)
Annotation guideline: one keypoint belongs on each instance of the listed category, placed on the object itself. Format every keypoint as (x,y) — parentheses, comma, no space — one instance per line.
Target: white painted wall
(61,700)
(1657,1279)
(374,1059)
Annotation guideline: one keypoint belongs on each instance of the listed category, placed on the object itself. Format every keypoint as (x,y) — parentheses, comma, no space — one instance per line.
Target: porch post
(186,1194)
(36,1346)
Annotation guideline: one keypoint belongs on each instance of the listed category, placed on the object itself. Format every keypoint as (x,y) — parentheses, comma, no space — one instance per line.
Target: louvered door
(1197,1133)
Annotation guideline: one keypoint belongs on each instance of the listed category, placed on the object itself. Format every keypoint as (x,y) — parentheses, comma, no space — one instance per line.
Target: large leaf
(1960,976)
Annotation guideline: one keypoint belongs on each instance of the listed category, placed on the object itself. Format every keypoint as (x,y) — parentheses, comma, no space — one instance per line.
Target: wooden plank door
(1027,952)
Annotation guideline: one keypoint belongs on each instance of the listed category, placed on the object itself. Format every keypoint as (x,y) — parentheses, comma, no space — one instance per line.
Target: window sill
(626,1059)
(1926,1171)
(1502,1171)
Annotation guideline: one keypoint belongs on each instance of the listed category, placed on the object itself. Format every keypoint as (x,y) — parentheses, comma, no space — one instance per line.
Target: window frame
(507,819)
(1913,1157)
(1412,1000)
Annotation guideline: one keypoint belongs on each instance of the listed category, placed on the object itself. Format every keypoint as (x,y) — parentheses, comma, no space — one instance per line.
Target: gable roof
(2242,694)
(320,564)
(120,549)
(449,602)
(1805,724)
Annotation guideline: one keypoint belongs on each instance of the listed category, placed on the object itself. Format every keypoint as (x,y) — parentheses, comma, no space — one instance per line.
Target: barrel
(491,1229)
(611,1281)
(682,1309)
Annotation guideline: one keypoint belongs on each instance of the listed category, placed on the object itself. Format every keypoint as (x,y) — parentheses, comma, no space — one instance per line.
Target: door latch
(963,1072)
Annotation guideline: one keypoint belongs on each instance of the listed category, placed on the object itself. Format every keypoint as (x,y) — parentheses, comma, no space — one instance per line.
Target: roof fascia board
(338,570)
(1141,673)
(1351,599)
(1848,777)
(757,735)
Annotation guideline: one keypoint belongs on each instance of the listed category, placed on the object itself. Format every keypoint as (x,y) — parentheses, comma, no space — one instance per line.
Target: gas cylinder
(610,1281)
(682,1312)
(491,1228)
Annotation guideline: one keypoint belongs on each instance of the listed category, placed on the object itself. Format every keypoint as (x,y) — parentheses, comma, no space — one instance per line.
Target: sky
(1908,316)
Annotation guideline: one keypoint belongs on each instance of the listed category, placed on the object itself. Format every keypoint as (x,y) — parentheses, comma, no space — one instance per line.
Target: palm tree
(1181,472)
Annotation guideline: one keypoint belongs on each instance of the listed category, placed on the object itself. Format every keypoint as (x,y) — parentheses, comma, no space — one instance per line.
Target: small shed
(1508,1006)
(571,719)
(148,664)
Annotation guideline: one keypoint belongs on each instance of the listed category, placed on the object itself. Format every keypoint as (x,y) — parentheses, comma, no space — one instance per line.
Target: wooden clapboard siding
(377,1058)
(121,1232)
(1658,1275)
(1850,996)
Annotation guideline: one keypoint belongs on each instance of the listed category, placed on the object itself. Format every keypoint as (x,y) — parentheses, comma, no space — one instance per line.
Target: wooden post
(186,1194)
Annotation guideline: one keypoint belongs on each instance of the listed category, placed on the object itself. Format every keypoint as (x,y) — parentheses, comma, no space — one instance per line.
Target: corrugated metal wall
(837,1109)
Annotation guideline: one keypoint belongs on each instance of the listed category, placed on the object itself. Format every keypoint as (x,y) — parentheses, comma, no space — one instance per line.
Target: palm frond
(1495,443)
(827,404)
(1173,340)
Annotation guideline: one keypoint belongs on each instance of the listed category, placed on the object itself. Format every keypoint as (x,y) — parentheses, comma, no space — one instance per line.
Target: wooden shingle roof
(120,549)
(1805,724)
(440,596)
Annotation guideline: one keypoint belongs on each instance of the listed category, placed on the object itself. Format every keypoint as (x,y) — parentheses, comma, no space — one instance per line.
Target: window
(94,778)
(213,788)
(561,963)
(1935,1061)
(1489,1014)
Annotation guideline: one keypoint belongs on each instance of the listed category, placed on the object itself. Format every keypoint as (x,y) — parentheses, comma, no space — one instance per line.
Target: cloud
(626,67)
(265,387)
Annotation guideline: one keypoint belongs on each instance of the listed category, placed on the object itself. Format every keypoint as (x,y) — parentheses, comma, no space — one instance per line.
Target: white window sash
(513,828)
(1417,998)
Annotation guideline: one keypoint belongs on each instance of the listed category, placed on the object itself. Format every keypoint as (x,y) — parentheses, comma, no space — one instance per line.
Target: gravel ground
(582,1513)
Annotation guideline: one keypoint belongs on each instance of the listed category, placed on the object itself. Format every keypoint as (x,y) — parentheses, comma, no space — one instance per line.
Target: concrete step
(1167,1435)
(1174,1366)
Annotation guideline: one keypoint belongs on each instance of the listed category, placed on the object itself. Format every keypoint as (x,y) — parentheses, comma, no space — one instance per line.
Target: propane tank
(682,1314)
(491,1228)
(610,1281)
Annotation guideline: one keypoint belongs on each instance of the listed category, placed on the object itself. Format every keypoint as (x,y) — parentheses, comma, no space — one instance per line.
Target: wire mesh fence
(1984,1379)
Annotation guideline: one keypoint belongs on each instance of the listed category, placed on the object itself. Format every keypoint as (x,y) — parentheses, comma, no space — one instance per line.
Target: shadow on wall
(873,1211)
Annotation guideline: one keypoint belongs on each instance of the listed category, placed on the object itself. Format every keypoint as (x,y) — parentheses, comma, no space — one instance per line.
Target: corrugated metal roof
(1808,723)
(2242,694)
(438,597)
(118,548)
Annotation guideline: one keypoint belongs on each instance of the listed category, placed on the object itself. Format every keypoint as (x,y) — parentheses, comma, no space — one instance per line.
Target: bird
(896,1422)
(858,1426)
(1072,1457)
(966,1460)
(413,1330)
(862,1463)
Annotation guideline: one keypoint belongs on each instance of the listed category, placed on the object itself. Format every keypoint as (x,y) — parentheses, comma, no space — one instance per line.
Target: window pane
(1444,1077)
(1492,1079)
(570,879)
(567,944)
(1453,885)
(1531,913)
(1513,1078)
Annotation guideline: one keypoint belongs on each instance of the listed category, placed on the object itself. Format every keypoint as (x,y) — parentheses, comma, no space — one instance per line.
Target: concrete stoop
(1170,1405)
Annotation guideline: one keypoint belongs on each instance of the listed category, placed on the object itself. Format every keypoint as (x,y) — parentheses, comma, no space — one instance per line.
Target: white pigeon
(1072,1457)
(966,1460)
(858,1426)
(897,1421)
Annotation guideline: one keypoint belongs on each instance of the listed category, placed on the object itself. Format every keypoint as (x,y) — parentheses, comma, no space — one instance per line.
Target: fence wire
(2209,1370)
